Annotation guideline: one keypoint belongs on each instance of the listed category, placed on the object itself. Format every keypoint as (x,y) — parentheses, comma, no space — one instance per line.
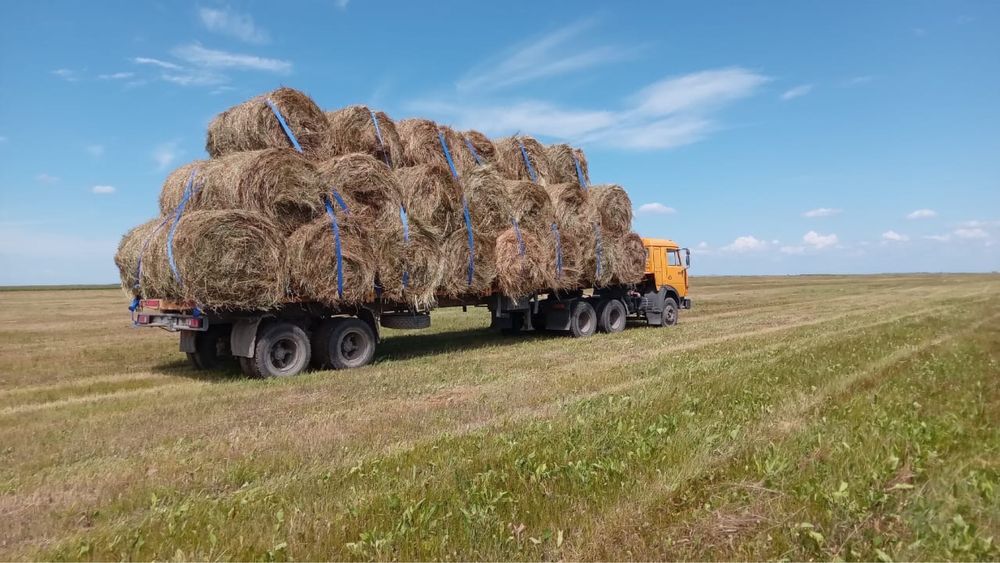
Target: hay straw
(432,197)
(464,158)
(530,205)
(421,144)
(367,185)
(590,274)
(130,250)
(253,126)
(519,274)
(510,161)
(627,256)
(455,255)
(489,203)
(420,258)
(312,261)
(562,169)
(278,183)
(612,206)
(352,130)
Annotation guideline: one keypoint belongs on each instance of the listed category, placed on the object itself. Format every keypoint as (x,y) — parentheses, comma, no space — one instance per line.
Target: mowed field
(799,417)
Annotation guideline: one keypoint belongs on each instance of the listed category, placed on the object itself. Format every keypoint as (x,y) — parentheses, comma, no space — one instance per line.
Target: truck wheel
(611,316)
(582,320)
(349,343)
(669,315)
(211,348)
(283,349)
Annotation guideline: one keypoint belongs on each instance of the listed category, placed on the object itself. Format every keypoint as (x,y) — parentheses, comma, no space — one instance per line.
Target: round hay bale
(530,205)
(253,126)
(421,144)
(367,185)
(520,273)
(562,169)
(510,159)
(482,144)
(465,159)
(352,130)
(278,183)
(627,256)
(231,259)
(419,261)
(610,204)
(455,281)
(569,247)
(489,203)
(431,197)
(312,261)
(569,203)
(593,274)
(130,252)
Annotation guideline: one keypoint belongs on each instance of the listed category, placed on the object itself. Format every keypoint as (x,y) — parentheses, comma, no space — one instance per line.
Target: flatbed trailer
(298,335)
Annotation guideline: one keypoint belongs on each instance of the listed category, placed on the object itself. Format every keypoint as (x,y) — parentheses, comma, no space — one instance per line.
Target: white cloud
(165,154)
(821,212)
(196,77)
(975,233)
(939,238)
(818,241)
(922,214)
(747,243)
(156,62)
(980,224)
(95,151)
(341,4)
(66,74)
(103,190)
(893,236)
(797,92)
(859,80)
(116,76)
(697,91)
(538,117)
(232,24)
(655,209)
(46,179)
(542,57)
(793,249)
(200,56)
(659,134)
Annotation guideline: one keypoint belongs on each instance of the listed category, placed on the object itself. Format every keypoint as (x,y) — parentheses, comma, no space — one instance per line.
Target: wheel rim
(283,354)
(670,315)
(585,321)
(353,346)
(615,318)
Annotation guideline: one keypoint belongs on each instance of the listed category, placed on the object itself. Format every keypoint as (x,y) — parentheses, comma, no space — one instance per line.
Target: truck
(298,335)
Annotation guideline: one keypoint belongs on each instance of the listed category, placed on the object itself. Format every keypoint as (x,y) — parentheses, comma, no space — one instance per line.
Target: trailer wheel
(283,349)
(347,343)
(611,316)
(211,348)
(669,315)
(582,319)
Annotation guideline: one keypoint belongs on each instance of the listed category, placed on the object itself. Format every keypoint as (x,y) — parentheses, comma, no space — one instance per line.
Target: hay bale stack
(421,144)
(431,197)
(569,203)
(353,131)
(312,261)
(455,280)
(131,251)
(510,160)
(530,205)
(627,256)
(366,184)
(253,126)
(409,272)
(592,273)
(465,159)
(278,183)
(562,168)
(610,204)
(231,259)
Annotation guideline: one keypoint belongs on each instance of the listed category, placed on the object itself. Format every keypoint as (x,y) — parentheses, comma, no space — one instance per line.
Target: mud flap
(244,337)
(188,341)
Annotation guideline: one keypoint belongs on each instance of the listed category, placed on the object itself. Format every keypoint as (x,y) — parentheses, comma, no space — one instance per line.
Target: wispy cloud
(542,57)
(822,212)
(893,236)
(232,24)
(116,76)
(975,233)
(46,179)
(69,75)
(103,190)
(156,62)
(859,80)
(922,214)
(95,151)
(797,92)
(697,92)
(341,4)
(200,56)
(165,154)
(655,208)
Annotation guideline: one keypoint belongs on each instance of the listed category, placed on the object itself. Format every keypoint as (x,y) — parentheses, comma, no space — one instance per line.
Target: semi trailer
(298,335)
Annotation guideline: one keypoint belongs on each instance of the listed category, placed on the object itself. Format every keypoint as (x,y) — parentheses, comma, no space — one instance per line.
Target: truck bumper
(686,303)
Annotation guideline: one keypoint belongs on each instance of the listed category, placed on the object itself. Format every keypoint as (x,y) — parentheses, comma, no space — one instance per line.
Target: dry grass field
(802,417)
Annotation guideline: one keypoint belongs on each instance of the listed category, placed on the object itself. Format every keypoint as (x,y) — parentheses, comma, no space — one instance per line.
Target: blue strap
(340,200)
(173,227)
(335,226)
(472,149)
(378,135)
(196,313)
(598,247)
(406,240)
(517,233)
(527,162)
(134,305)
(579,170)
(472,243)
(559,257)
(284,124)
(447,154)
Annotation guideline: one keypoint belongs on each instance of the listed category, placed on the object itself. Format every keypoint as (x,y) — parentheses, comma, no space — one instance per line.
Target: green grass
(802,418)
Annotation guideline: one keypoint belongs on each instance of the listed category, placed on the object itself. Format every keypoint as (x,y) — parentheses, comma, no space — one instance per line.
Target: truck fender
(244,337)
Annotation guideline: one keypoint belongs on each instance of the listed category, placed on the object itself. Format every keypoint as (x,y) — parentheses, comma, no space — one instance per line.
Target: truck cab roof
(659,243)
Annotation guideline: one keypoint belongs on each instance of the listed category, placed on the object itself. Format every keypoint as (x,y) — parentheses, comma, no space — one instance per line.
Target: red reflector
(194,323)
(558,305)
(142,319)
(153,303)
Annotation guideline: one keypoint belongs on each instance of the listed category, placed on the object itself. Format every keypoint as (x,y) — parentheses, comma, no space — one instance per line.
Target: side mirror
(687,257)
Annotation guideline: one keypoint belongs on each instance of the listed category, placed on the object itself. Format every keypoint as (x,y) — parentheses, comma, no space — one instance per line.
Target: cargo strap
(381,143)
(527,161)
(471,270)
(189,190)
(472,149)
(598,248)
(335,227)
(340,201)
(579,170)
(406,240)
(559,256)
(284,124)
(517,233)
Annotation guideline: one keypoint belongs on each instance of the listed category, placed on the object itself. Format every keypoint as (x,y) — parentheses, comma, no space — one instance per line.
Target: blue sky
(770,137)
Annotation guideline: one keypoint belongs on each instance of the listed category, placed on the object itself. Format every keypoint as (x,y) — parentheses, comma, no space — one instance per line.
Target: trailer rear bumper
(172,322)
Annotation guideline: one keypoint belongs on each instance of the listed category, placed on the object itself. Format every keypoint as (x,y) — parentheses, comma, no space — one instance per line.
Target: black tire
(283,350)
(349,343)
(582,320)
(405,321)
(611,316)
(516,324)
(669,315)
(212,348)
(320,337)
(248,367)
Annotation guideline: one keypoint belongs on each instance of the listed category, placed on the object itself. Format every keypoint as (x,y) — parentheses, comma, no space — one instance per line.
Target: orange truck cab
(667,270)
